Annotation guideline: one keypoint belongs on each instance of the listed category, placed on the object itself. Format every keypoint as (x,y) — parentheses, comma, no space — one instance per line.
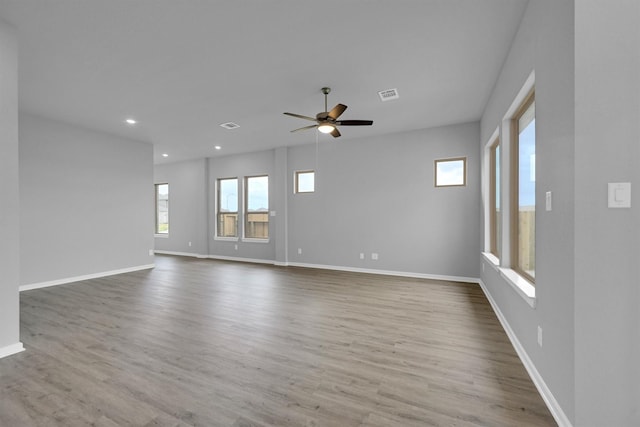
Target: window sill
(225,239)
(492,259)
(162,236)
(522,286)
(253,240)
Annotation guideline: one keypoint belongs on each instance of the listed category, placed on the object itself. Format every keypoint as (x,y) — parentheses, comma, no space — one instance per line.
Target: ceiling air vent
(389,94)
(230,125)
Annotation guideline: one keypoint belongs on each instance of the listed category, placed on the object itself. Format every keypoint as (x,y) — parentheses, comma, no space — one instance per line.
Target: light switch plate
(548,200)
(619,195)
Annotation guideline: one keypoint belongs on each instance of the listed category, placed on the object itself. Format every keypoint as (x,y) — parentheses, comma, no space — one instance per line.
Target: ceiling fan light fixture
(326,128)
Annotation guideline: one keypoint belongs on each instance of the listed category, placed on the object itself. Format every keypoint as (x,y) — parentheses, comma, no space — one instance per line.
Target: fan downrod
(326,91)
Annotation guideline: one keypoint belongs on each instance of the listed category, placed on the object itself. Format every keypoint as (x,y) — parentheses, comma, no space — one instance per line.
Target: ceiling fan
(327,121)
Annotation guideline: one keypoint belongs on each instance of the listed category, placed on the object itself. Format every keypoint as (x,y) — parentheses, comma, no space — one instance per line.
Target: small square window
(451,172)
(304,181)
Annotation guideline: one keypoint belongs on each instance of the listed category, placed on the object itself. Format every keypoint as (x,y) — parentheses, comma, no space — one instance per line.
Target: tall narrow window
(304,181)
(227,221)
(256,225)
(495,213)
(523,218)
(162,208)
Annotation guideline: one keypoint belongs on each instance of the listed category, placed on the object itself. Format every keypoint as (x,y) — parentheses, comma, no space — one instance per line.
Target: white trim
(226,239)
(161,236)
(189,254)
(11,349)
(332,267)
(387,272)
(219,257)
(85,277)
(492,260)
(546,394)
(240,259)
(521,285)
(254,240)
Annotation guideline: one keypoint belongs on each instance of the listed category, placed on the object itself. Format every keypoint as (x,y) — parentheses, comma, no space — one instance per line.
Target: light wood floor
(211,343)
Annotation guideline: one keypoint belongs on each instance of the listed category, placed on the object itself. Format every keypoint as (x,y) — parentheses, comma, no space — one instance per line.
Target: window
(304,182)
(495,213)
(523,208)
(451,172)
(256,225)
(162,208)
(227,223)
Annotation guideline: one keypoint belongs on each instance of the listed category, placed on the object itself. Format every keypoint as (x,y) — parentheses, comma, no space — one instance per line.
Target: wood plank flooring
(212,343)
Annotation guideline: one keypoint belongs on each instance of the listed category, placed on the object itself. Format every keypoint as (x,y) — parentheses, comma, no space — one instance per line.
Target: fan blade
(300,116)
(335,132)
(355,122)
(337,111)
(304,128)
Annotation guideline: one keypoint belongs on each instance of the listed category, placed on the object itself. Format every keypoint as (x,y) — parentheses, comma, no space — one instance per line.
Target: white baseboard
(189,254)
(330,267)
(251,260)
(11,349)
(551,402)
(388,272)
(84,277)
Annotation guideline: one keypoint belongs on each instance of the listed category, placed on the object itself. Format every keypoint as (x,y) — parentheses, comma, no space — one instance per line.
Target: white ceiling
(182,67)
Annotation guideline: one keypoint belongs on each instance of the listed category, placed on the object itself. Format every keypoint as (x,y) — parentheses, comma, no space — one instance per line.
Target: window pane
(228,190)
(305,182)
(496,225)
(527,191)
(450,172)
(162,208)
(227,207)
(257,217)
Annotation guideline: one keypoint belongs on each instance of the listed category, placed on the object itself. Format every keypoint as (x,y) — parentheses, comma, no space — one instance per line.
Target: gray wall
(587,63)
(187,207)
(378,195)
(607,149)
(544,43)
(9,207)
(86,202)
(372,195)
(251,164)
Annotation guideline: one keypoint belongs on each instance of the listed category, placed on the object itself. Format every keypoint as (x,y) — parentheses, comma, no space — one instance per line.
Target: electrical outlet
(151,253)
(361,255)
(236,247)
(539,336)
(299,251)
(189,244)
(374,256)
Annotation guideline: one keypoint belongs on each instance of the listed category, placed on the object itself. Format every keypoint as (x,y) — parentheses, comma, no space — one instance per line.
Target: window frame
(157,231)
(247,212)
(219,212)
(296,179)
(514,220)
(495,223)
(451,159)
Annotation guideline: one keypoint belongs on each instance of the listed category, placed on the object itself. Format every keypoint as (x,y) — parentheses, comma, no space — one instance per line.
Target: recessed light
(217,147)
(131,121)
(165,155)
